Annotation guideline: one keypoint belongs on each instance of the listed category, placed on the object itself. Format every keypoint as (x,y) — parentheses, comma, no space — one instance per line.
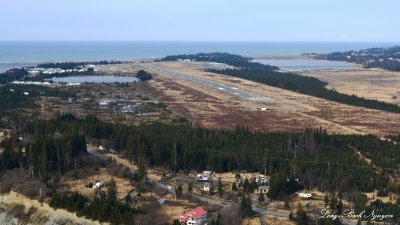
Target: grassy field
(375,84)
(288,111)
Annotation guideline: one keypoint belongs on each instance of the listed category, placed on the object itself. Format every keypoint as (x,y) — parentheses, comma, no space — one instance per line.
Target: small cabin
(304,195)
(263,189)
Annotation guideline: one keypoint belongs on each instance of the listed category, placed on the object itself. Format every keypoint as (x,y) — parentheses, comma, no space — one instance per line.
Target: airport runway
(241,93)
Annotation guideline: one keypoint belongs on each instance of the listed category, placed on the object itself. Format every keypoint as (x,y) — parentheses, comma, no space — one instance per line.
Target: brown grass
(123,185)
(274,220)
(212,108)
(251,221)
(36,212)
(376,84)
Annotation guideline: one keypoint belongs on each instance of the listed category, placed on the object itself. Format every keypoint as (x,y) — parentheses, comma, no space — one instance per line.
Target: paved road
(242,93)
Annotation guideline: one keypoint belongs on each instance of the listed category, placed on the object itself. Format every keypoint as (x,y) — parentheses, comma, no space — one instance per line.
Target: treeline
(282,188)
(55,153)
(267,75)
(359,202)
(230,59)
(385,58)
(103,207)
(384,153)
(395,138)
(327,161)
(313,156)
(15,96)
(309,86)
(46,77)
(62,65)
(47,153)
(387,64)
(9,100)
(12,75)
(74,65)
(143,75)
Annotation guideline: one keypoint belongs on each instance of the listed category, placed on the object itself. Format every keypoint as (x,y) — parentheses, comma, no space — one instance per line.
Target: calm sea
(20,53)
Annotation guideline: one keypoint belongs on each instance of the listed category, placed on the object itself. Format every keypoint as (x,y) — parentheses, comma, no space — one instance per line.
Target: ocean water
(6,66)
(36,52)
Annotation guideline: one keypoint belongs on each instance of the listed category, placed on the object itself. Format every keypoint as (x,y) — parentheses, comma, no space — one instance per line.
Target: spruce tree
(220,188)
(176,222)
(301,216)
(339,207)
(246,186)
(179,191)
(234,187)
(333,202)
(326,200)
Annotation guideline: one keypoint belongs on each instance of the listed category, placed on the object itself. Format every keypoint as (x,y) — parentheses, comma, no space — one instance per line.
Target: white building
(304,195)
(98,184)
(205,176)
(263,189)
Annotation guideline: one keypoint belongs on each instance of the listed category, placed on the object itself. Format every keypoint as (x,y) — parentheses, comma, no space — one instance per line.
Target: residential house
(263,189)
(205,176)
(195,217)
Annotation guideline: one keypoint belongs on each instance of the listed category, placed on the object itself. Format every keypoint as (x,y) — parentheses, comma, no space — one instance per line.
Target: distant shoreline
(38,52)
(289,57)
(6,66)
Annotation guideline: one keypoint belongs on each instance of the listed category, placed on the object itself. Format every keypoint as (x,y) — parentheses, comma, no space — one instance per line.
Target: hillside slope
(16,209)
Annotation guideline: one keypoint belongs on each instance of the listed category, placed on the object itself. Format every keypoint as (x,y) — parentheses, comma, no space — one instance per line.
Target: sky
(200,20)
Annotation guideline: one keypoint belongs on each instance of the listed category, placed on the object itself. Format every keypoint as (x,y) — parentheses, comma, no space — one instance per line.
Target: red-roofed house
(194,217)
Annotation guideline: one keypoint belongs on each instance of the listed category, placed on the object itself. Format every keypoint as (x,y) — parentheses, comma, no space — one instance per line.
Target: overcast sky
(201,20)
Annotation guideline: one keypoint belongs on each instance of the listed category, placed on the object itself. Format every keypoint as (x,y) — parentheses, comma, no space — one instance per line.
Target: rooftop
(196,214)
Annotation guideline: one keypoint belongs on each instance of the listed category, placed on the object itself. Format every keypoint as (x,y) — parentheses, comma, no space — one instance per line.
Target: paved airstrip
(241,93)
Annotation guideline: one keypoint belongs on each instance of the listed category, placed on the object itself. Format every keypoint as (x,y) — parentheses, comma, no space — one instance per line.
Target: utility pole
(265,161)
(40,193)
(295,158)
(175,192)
(175,158)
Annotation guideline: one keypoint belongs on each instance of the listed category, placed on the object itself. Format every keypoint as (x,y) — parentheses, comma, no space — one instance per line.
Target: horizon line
(205,41)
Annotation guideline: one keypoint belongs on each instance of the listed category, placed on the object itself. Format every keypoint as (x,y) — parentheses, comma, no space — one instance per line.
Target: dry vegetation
(153,174)
(287,111)
(18,181)
(28,211)
(251,221)
(274,220)
(376,84)
(372,196)
(124,186)
(164,214)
